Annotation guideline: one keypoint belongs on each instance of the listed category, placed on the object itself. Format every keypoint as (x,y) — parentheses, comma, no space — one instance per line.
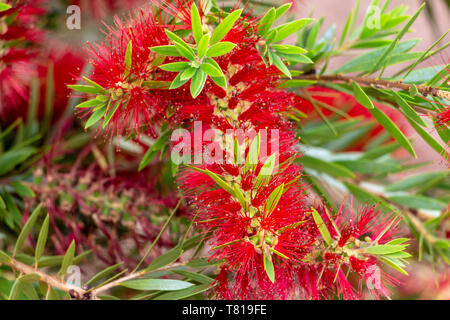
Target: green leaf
(12,158)
(278,253)
(265,172)
(427,138)
(85,89)
(277,62)
(287,29)
(267,21)
(282,10)
(211,70)
(240,196)
(394,263)
(220,182)
(128,58)
(321,226)
(383,249)
(220,81)
(416,181)
(42,240)
(2,203)
(366,61)
(188,73)
(94,84)
(4,7)
(154,149)
(297,83)
(182,47)
(394,131)
(4,258)
(413,90)
(95,117)
(22,189)
(165,259)
(220,49)
(378,152)
(369,167)
(268,266)
(15,290)
(185,293)
(274,198)
(329,168)
(111,113)
(290,49)
(295,58)
(175,66)
(361,96)
(419,202)
(253,153)
(196,23)
(170,51)
(68,258)
(177,82)
(27,229)
(407,110)
(201,278)
(104,273)
(197,83)
(400,35)
(89,103)
(203,46)
(222,29)
(157,284)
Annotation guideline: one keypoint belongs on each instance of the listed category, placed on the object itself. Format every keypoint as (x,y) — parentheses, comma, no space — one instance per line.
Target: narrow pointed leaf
(321,226)
(196,23)
(222,29)
(220,49)
(27,229)
(68,258)
(42,239)
(170,51)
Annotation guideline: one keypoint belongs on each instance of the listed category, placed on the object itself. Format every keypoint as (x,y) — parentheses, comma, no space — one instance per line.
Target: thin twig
(50,280)
(378,83)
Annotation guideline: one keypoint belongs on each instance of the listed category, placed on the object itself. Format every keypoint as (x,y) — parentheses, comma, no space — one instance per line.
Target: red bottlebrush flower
(242,236)
(443,117)
(352,234)
(138,106)
(16,58)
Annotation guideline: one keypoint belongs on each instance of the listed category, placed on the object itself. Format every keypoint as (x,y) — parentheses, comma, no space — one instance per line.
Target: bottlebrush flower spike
(358,242)
(19,43)
(258,226)
(124,86)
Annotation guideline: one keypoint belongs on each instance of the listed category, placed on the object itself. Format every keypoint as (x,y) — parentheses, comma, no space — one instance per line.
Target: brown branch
(74,291)
(50,280)
(378,83)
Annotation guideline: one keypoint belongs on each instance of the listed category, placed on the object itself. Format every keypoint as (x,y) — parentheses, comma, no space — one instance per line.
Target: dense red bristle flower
(17,56)
(137,103)
(352,231)
(443,117)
